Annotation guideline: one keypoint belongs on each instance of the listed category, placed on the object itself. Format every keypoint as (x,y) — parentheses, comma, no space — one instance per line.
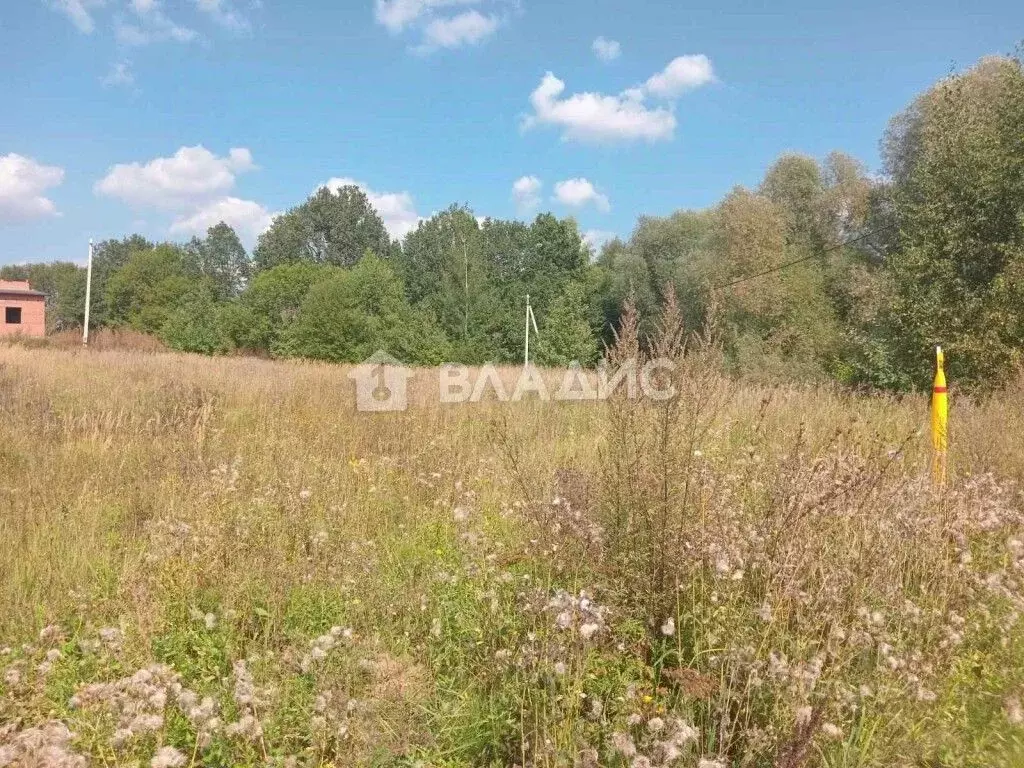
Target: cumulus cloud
(248,218)
(396,15)
(469,28)
(597,117)
(578,193)
(120,74)
(606,50)
(78,11)
(683,73)
(440,23)
(526,193)
(22,184)
(396,209)
(191,176)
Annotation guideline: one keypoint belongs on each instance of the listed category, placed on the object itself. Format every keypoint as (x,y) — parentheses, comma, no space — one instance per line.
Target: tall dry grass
(221,562)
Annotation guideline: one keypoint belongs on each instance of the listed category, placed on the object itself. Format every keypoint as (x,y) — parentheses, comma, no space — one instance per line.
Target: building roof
(18,288)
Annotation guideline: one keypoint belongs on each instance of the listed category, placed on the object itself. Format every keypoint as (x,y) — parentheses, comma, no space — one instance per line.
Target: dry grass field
(220,562)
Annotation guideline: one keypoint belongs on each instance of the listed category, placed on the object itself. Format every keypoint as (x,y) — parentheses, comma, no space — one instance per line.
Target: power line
(788,264)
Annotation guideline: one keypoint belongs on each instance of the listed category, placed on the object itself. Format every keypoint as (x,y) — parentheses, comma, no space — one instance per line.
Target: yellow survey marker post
(940,419)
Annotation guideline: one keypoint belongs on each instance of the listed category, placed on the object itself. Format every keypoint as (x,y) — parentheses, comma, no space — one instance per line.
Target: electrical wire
(802,259)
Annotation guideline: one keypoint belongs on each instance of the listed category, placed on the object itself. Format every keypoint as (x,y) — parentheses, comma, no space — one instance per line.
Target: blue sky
(162,116)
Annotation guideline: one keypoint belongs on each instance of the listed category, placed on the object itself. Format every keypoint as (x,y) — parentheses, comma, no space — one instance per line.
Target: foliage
(197,325)
(109,256)
(447,274)
(150,286)
(270,303)
(356,312)
(956,158)
(332,227)
(222,258)
(567,337)
(821,271)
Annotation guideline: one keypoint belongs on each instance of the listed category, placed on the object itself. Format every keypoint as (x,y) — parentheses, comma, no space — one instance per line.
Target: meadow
(220,562)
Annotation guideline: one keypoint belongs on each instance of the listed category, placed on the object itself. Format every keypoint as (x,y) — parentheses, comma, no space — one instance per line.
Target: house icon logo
(381,383)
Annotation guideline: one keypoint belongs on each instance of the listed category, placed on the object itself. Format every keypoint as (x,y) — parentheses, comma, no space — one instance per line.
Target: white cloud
(191,176)
(526,193)
(153,26)
(597,117)
(596,238)
(396,15)
(22,183)
(224,13)
(249,219)
(120,74)
(606,50)
(683,73)
(578,193)
(396,209)
(469,28)
(438,22)
(78,12)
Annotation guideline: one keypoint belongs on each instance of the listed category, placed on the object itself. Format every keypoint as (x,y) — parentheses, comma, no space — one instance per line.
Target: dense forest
(823,271)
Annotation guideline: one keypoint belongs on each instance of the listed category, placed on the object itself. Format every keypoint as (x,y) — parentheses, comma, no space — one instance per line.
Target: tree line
(821,272)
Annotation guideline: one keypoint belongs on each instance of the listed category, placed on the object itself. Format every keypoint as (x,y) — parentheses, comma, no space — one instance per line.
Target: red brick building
(22,310)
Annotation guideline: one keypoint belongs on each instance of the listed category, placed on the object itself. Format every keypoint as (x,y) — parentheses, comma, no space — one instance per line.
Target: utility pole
(88,297)
(530,320)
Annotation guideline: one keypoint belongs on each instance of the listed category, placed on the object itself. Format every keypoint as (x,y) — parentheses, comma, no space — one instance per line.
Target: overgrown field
(220,562)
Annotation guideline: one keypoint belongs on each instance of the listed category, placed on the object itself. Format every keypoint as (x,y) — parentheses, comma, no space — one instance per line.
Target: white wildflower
(121,737)
(168,757)
(623,744)
(1014,711)
(832,730)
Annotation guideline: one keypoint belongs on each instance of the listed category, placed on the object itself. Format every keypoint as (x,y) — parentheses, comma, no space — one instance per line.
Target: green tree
(150,287)
(357,311)
(773,309)
(566,336)
(270,304)
(108,257)
(446,272)
(956,158)
(556,255)
(221,257)
(195,325)
(332,227)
